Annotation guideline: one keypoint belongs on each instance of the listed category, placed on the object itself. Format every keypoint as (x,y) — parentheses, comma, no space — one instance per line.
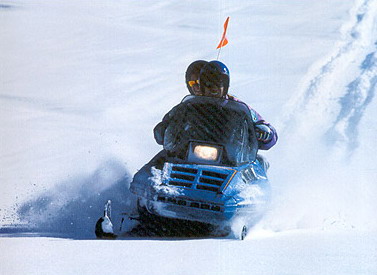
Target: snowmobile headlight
(206,152)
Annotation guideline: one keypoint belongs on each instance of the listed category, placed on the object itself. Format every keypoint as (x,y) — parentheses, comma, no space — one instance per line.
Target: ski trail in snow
(343,86)
(320,132)
(360,92)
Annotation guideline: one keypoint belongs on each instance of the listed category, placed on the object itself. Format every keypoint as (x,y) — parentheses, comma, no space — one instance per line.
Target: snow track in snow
(359,94)
(339,105)
(319,137)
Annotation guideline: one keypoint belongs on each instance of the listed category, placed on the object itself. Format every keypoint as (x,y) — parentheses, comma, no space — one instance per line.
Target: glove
(263,133)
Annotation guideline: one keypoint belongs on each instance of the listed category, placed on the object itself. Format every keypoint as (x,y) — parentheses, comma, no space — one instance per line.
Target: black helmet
(194,68)
(214,74)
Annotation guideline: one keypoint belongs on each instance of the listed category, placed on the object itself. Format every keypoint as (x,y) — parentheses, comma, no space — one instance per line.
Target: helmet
(194,68)
(214,74)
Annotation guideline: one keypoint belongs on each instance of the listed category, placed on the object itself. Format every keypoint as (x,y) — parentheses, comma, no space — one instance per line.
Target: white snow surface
(83,83)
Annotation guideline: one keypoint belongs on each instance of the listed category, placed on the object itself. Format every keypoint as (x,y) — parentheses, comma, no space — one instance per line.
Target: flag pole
(218,54)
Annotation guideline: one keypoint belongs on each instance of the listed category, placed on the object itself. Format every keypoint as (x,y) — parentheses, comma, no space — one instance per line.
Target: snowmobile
(209,173)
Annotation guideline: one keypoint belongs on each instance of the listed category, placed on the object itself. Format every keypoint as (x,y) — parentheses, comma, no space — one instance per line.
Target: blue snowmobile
(208,175)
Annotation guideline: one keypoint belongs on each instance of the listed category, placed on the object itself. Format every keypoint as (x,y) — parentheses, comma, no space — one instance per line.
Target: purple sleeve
(272,142)
(257,119)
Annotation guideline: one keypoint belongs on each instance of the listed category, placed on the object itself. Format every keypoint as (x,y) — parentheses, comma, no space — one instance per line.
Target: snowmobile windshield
(219,131)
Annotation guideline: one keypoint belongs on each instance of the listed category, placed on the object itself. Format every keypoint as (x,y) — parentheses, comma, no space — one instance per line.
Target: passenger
(192,76)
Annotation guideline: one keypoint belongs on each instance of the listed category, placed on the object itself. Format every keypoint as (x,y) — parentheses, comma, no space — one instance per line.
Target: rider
(213,78)
(214,81)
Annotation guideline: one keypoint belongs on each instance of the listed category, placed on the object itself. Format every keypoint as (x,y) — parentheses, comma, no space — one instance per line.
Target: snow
(293,252)
(82,84)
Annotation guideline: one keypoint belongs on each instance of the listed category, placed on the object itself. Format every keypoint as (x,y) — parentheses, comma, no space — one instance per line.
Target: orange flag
(224,40)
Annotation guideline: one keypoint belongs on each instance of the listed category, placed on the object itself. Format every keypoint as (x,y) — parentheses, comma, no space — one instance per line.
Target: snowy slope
(82,84)
(283,253)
